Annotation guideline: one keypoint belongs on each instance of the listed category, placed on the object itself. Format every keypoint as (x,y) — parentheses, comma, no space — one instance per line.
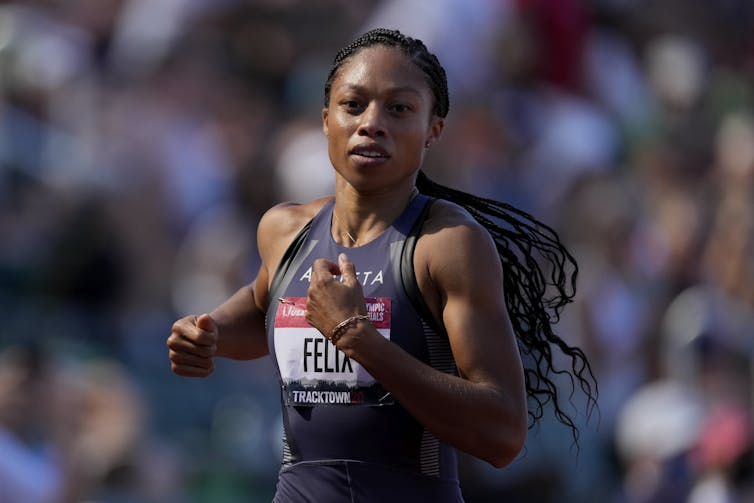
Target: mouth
(369,153)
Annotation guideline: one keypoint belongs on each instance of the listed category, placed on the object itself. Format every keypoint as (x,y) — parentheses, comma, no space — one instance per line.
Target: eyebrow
(392,90)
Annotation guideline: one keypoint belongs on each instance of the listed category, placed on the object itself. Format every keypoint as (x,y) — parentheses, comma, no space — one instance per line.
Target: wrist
(361,340)
(346,325)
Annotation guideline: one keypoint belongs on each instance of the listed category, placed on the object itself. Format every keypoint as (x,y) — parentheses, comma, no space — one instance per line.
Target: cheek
(338,128)
(413,142)
(336,141)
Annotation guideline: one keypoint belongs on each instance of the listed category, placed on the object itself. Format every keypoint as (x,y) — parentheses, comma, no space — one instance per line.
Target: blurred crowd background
(141,140)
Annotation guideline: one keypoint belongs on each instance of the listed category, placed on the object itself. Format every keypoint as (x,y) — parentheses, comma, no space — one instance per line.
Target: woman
(383,307)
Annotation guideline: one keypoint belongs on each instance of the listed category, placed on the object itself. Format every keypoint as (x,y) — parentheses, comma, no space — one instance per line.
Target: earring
(426,144)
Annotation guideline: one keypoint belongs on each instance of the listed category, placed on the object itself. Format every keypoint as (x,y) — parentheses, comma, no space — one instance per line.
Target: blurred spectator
(64,431)
(32,467)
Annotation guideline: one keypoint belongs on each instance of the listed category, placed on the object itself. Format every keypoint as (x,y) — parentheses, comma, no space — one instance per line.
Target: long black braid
(540,273)
(539,280)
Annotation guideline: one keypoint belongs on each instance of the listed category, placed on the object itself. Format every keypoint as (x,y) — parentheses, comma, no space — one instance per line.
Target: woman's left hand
(330,300)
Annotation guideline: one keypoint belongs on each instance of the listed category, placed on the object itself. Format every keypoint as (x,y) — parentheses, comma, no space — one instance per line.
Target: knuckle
(206,339)
(316,280)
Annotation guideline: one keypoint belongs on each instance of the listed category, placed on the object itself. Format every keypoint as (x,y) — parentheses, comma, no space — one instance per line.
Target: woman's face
(379,119)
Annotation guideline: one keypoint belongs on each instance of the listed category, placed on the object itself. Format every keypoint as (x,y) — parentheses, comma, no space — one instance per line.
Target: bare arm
(240,322)
(235,329)
(482,412)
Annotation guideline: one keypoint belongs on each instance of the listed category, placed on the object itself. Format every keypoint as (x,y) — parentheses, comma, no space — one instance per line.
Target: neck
(359,218)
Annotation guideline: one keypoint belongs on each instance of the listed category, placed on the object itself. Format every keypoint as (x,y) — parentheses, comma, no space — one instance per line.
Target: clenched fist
(193,344)
(329,300)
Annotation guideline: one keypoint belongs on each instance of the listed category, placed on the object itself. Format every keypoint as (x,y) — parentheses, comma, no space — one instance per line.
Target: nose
(372,123)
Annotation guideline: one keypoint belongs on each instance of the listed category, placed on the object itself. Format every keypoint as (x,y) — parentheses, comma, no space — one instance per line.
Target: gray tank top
(333,410)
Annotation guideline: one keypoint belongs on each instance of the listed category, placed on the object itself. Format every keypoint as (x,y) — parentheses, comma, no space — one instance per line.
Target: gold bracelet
(337,332)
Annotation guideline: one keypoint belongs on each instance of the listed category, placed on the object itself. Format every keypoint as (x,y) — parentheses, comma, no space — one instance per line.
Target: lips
(369,152)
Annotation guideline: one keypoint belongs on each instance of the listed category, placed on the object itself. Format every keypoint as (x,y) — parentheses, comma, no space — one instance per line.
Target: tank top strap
(406,220)
(320,224)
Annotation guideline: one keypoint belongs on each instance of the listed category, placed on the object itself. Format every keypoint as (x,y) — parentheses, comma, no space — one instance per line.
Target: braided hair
(411,47)
(540,273)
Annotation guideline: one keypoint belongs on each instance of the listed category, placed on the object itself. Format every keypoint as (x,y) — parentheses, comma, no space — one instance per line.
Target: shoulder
(453,245)
(289,218)
(279,226)
(447,221)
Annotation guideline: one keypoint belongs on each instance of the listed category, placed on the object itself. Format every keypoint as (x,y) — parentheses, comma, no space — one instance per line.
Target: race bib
(313,371)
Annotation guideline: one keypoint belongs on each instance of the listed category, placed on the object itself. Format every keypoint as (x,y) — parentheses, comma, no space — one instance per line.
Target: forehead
(381,66)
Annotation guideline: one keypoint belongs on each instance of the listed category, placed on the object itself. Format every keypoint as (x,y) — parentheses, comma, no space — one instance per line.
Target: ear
(436,126)
(325,127)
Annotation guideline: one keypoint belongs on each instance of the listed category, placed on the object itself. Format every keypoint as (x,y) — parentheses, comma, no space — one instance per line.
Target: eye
(351,106)
(400,108)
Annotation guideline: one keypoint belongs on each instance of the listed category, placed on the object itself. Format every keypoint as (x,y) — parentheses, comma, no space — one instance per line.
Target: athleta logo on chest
(364,277)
